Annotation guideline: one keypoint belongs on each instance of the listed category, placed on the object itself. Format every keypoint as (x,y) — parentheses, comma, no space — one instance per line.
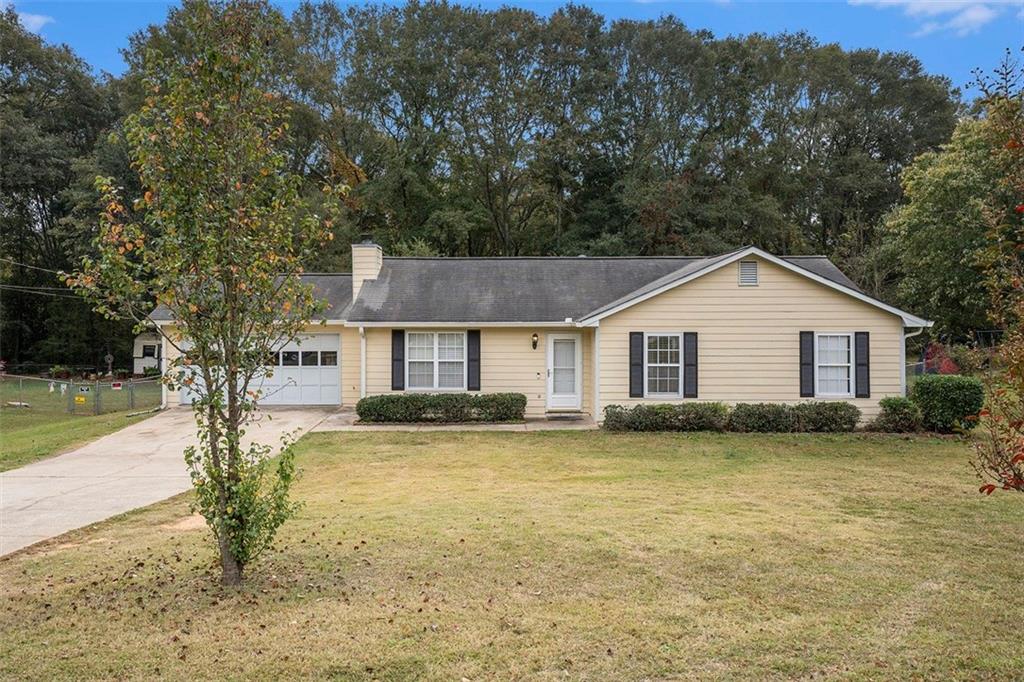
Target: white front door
(565,372)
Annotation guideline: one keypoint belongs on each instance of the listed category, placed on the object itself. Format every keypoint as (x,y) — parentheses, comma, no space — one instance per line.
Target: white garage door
(306,371)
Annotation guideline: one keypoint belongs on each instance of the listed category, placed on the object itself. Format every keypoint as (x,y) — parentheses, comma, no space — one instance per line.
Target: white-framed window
(833,364)
(149,351)
(664,364)
(748,273)
(435,360)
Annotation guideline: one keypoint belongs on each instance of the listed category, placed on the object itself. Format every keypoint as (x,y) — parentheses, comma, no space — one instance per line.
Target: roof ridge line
(573,258)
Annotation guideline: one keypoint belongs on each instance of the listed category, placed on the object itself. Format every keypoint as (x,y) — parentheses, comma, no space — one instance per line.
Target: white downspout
(597,375)
(160,363)
(903,359)
(362,362)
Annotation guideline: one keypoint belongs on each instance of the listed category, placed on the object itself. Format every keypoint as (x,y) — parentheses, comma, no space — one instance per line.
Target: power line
(32,288)
(30,267)
(6,287)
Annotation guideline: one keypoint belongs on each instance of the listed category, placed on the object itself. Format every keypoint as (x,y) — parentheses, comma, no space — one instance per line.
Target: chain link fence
(77,396)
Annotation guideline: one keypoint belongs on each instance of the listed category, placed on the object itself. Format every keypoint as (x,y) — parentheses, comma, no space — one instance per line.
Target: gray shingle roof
(335,288)
(525,289)
(530,289)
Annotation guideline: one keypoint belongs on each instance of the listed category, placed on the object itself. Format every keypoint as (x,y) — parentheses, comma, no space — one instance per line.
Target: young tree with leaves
(999,454)
(218,238)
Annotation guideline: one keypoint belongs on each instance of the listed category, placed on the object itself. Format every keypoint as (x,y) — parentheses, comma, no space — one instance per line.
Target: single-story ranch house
(578,334)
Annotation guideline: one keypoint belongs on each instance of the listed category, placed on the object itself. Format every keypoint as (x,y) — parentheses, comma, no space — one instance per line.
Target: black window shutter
(636,364)
(806,364)
(862,362)
(397,359)
(690,364)
(473,360)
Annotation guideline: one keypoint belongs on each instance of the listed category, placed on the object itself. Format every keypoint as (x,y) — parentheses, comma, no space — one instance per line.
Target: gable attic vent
(748,273)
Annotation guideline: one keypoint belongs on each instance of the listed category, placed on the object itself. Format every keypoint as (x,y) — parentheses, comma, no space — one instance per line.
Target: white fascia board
(908,319)
(463,324)
(164,323)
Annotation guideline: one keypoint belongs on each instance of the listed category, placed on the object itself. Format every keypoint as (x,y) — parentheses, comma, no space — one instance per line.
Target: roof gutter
(461,323)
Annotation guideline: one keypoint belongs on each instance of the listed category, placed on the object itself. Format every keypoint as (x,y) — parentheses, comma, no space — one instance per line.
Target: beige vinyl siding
(349,364)
(748,336)
(508,363)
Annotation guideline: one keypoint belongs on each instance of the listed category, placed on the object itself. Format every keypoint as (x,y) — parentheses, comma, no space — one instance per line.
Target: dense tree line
(472,132)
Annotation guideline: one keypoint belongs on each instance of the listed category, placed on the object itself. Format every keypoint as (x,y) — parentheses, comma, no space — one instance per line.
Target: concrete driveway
(136,466)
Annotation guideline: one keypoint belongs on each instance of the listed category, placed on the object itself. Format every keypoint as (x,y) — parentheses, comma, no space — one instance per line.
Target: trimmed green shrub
(947,401)
(500,407)
(762,418)
(898,415)
(826,417)
(447,408)
(667,417)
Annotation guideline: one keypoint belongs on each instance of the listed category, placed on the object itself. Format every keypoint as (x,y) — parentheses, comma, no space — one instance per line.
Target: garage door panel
(331,395)
(308,372)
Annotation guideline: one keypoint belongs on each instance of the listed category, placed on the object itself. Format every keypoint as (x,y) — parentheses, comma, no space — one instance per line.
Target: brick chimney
(367,258)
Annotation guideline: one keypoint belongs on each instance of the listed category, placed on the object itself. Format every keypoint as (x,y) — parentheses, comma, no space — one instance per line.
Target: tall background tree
(218,237)
(53,114)
(936,238)
(472,132)
(999,454)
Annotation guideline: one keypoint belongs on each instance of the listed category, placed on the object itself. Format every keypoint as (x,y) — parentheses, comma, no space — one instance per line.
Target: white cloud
(34,22)
(961,17)
(971,19)
(31,22)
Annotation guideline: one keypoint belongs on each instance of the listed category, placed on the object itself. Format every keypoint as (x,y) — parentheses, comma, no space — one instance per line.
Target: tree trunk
(230,567)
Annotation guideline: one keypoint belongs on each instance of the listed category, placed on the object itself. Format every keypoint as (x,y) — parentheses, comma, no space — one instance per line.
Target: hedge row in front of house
(942,403)
(442,408)
(823,417)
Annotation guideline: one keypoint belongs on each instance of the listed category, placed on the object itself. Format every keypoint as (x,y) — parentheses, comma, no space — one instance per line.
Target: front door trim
(565,401)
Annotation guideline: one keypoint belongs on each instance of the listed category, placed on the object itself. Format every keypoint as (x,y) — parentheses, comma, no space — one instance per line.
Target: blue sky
(950,37)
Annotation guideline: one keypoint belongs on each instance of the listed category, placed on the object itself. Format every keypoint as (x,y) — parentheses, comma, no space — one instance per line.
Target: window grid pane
(450,347)
(436,360)
(835,365)
(664,360)
(449,375)
(421,374)
(421,346)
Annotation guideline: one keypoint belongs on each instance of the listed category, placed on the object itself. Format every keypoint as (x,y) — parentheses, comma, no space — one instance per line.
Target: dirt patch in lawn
(190,522)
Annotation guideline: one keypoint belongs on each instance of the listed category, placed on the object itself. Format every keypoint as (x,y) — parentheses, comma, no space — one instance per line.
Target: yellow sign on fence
(80,399)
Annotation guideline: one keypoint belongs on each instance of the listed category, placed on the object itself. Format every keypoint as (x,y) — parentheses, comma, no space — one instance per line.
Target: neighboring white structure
(146,352)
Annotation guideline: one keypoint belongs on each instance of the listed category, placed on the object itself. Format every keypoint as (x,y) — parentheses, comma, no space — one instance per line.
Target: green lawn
(45,428)
(554,555)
